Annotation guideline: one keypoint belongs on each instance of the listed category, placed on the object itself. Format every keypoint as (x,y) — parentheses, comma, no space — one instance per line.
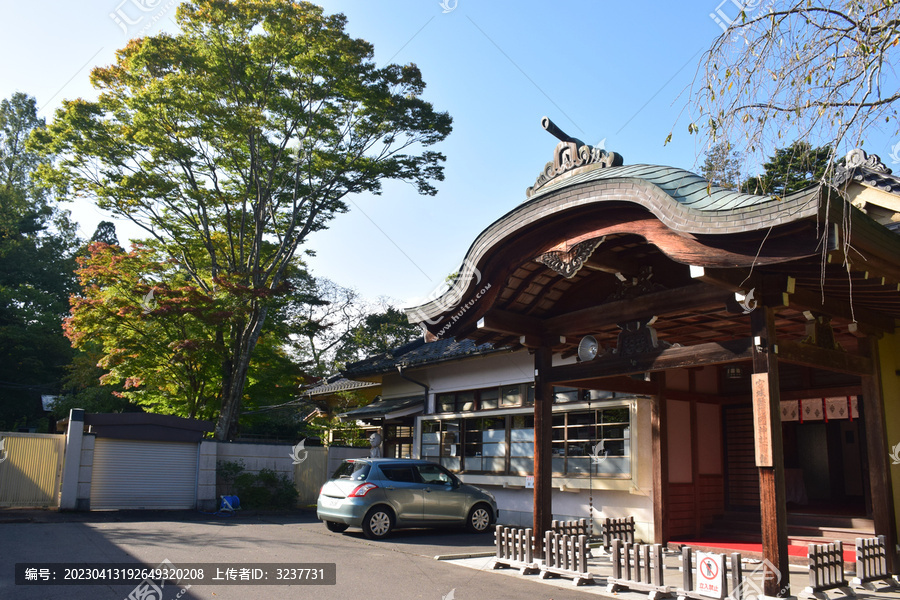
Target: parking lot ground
(398,568)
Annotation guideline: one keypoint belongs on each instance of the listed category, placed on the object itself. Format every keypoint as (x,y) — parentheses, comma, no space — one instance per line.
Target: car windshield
(354,470)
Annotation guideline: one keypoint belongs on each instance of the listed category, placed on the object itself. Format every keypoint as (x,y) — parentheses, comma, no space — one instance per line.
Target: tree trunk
(235,375)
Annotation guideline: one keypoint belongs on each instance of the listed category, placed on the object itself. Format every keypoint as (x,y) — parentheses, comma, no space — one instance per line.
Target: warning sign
(711,575)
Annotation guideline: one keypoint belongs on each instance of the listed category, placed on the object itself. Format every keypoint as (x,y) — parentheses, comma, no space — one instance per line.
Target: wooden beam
(822,358)
(696,297)
(789,295)
(611,262)
(860,330)
(730,279)
(806,300)
(770,452)
(502,321)
(621,384)
(712,353)
(556,344)
(821,392)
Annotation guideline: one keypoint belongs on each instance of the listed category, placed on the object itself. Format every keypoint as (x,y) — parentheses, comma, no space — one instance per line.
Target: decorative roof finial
(571,153)
(554,130)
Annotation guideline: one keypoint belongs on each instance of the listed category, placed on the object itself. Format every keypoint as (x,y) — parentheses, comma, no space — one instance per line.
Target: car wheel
(378,523)
(336,527)
(479,519)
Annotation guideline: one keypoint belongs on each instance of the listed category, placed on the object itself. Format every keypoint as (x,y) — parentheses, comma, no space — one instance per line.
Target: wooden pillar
(660,447)
(769,451)
(871,407)
(695,466)
(543,467)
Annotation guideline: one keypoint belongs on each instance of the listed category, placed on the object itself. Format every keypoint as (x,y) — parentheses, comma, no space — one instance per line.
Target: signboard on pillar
(762,419)
(711,575)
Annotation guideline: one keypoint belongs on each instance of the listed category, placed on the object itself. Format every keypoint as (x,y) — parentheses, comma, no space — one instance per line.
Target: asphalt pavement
(287,548)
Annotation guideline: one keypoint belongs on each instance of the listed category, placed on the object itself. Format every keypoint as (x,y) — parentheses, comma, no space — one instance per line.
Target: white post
(206,476)
(74,437)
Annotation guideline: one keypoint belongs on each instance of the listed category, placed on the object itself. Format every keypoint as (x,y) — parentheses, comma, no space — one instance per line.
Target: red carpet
(849,551)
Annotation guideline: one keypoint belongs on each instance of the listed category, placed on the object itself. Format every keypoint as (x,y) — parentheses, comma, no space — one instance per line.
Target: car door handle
(428,490)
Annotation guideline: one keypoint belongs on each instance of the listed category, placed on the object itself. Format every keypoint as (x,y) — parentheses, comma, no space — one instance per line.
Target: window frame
(595,405)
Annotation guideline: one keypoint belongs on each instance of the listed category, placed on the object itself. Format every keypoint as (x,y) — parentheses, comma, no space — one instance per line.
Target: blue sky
(599,69)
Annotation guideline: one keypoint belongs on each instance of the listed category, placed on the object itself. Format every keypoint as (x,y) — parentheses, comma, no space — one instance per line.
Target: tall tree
(818,72)
(106,233)
(722,166)
(234,140)
(379,332)
(322,316)
(37,244)
(791,169)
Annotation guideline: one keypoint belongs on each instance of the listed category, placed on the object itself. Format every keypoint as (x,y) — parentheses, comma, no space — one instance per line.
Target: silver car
(379,494)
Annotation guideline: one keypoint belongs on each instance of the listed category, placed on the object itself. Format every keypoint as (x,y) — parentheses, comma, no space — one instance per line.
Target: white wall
(488,371)
(517,507)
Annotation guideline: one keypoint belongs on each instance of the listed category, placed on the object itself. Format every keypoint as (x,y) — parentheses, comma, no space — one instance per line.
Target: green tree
(37,245)
(234,140)
(153,330)
(791,169)
(154,333)
(379,332)
(106,233)
(722,166)
(82,387)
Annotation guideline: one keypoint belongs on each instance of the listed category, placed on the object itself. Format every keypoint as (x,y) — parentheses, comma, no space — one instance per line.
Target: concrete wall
(85,470)
(207,499)
(254,457)
(276,457)
(308,475)
(315,467)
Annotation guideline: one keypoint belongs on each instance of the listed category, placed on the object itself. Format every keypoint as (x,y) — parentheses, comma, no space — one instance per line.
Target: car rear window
(357,471)
(399,473)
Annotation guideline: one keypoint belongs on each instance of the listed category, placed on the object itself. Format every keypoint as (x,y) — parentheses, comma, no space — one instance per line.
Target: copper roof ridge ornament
(569,154)
(856,160)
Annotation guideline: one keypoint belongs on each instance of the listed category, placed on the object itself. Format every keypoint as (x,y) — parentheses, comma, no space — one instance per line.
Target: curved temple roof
(683,202)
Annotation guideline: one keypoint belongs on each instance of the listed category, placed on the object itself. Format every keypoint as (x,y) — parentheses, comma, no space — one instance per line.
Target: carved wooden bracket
(568,263)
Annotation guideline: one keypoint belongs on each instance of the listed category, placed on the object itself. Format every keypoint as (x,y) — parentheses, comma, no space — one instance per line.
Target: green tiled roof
(688,189)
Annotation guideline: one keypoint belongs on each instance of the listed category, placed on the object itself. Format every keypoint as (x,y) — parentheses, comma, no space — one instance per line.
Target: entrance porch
(657,283)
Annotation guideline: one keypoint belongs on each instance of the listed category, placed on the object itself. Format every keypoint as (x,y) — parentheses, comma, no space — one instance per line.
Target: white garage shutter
(139,474)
